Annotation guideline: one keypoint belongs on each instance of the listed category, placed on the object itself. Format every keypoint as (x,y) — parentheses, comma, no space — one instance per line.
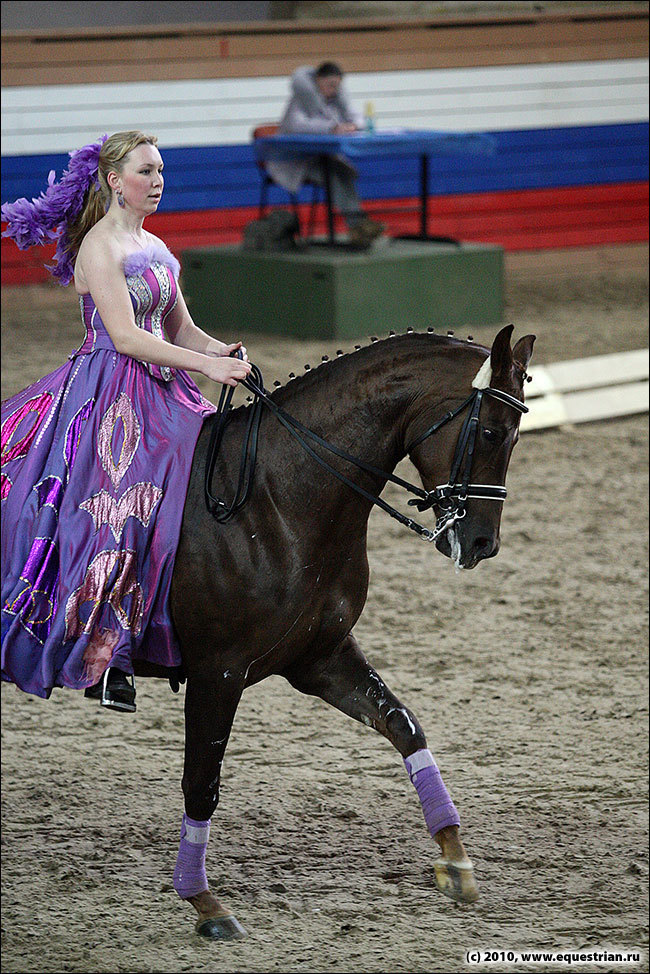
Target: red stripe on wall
(520,220)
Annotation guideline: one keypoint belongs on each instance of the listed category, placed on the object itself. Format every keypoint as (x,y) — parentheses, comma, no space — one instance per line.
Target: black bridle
(450,498)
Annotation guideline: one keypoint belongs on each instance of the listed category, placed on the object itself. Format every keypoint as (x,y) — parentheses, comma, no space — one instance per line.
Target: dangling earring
(120,198)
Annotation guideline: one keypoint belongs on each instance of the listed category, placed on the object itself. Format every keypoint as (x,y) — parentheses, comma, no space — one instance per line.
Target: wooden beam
(276,48)
(586,390)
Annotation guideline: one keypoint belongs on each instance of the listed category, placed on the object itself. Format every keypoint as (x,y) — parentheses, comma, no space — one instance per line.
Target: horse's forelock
(483,377)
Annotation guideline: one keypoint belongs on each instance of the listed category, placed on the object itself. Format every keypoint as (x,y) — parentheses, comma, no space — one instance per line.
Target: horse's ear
(523,351)
(501,354)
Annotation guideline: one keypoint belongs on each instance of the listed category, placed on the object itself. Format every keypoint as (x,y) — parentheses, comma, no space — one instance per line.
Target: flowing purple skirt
(96,459)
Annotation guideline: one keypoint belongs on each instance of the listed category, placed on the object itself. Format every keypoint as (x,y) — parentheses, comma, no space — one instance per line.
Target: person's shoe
(115,690)
(363,233)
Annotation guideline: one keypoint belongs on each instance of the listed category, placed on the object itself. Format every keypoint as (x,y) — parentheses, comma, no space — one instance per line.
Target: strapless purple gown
(96,459)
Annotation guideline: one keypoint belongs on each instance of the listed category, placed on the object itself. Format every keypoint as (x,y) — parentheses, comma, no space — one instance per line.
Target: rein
(449,498)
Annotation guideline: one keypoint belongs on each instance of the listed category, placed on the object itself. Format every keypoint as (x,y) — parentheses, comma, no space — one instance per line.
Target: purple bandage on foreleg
(439,810)
(189,874)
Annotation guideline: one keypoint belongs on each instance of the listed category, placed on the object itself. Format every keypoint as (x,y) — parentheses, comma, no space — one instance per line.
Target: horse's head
(470,451)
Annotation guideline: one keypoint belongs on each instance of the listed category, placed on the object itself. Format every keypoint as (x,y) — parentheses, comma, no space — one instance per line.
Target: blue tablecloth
(382,142)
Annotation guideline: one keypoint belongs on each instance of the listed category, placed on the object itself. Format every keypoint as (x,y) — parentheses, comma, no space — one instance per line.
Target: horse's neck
(361,403)
(354,404)
(364,402)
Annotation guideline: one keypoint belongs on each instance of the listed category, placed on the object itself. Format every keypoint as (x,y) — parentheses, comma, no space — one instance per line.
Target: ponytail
(94,208)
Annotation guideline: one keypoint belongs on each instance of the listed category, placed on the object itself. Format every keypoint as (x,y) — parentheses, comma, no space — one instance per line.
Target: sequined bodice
(153,292)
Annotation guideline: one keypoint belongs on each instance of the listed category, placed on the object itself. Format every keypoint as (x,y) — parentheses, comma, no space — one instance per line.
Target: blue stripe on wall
(217,177)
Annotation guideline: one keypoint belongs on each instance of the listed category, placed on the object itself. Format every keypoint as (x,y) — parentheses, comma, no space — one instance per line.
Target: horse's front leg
(209,713)
(346,680)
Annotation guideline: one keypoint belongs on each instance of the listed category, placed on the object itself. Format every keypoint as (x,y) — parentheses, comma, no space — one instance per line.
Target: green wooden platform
(323,292)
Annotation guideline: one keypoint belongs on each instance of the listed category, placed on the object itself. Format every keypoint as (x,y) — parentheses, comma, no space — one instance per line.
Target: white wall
(59,118)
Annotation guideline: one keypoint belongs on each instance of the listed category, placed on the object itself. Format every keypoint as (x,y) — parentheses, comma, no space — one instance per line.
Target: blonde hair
(112,158)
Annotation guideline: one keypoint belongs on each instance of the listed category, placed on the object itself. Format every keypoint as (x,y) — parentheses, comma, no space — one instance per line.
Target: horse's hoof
(221,928)
(456,880)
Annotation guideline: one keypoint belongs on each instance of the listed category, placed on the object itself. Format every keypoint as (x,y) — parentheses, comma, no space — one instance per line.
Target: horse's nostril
(486,547)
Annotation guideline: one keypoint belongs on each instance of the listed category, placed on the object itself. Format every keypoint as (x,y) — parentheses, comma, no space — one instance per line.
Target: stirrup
(116,696)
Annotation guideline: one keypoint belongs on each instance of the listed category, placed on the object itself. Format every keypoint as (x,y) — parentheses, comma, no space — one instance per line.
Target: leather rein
(450,498)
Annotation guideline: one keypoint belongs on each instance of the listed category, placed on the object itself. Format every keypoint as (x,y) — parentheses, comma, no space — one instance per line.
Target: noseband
(449,499)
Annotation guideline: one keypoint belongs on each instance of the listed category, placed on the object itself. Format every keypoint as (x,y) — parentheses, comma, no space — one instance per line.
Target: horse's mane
(363,355)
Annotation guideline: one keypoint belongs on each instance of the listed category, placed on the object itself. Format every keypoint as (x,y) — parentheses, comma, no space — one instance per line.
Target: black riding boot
(116,690)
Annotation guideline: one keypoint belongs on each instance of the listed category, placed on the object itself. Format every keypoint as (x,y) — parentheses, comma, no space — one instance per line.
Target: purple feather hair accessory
(47,216)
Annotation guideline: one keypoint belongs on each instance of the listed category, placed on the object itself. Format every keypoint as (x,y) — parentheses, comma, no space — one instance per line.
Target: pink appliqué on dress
(99,652)
(138,501)
(5,486)
(122,410)
(96,591)
(38,406)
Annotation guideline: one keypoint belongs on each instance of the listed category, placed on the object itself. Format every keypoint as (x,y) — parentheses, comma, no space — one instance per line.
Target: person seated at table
(319,106)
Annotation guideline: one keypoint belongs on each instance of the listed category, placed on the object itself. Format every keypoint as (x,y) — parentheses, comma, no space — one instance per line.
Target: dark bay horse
(278,588)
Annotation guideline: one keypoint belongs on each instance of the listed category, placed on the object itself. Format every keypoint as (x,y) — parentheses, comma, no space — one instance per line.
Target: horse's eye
(489,435)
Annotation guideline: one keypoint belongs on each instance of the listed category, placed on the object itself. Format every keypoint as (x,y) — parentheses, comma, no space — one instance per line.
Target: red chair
(261,132)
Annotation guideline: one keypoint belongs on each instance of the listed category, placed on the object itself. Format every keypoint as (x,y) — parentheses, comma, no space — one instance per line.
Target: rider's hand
(220,348)
(226,370)
(235,347)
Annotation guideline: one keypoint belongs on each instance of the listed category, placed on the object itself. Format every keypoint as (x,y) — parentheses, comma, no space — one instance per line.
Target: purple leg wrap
(189,874)
(439,810)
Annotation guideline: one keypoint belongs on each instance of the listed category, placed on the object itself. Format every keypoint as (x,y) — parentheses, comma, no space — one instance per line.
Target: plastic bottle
(369,115)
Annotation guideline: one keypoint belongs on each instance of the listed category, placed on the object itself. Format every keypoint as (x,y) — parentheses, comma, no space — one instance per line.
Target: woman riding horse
(96,456)
(119,555)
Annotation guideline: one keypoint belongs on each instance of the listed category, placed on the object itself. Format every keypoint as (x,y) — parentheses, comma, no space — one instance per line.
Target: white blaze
(454,544)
